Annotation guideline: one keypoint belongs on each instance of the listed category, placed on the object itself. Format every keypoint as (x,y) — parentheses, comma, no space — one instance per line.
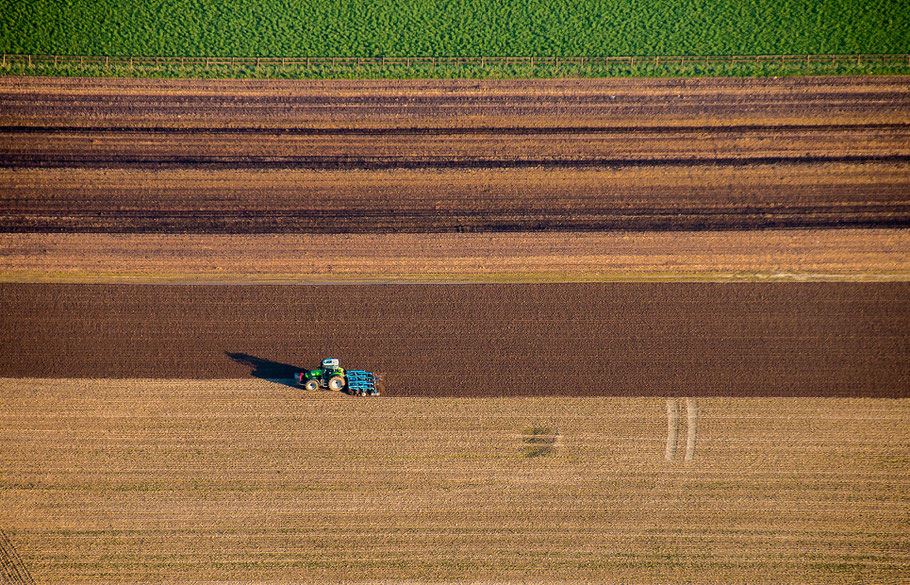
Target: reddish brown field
(257,157)
(811,339)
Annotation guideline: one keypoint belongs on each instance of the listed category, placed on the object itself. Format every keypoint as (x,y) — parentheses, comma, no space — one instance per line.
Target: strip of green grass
(293,28)
(460,72)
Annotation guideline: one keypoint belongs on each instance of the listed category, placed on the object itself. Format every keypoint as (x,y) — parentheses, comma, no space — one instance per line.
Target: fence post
(29,61)
(307,62)
(4,60)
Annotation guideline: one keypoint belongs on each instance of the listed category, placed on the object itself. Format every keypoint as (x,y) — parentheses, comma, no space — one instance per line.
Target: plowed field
(478,340)
(431,156)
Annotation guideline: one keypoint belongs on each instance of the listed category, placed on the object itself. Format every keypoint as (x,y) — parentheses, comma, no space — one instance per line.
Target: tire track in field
(12,569)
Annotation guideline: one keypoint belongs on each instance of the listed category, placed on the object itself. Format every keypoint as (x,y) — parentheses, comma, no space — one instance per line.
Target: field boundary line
(422,62)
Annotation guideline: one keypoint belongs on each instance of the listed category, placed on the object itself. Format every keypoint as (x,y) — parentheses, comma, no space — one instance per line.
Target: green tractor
(328,376)
(333,377)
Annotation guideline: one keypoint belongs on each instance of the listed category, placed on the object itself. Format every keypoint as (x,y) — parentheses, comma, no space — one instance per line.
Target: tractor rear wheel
(311,385)
(336,383)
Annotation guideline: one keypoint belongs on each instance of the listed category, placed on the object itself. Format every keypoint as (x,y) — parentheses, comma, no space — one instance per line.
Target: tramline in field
(335,378)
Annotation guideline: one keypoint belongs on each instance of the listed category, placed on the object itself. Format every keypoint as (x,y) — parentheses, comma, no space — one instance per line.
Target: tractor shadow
(264,369)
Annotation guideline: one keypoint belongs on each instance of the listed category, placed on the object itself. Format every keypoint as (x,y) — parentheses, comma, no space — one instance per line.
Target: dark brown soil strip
(381,220)
(63,161)
(820,339)
(457,131)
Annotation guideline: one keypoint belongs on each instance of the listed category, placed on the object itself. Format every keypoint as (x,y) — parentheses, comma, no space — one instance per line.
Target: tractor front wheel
(311,385)
(336,383)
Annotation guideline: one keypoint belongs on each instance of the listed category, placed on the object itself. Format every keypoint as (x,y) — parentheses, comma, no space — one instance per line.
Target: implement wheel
(336,383)
(311,385)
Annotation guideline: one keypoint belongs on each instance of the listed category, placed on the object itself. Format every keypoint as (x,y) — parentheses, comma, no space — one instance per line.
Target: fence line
(632,61)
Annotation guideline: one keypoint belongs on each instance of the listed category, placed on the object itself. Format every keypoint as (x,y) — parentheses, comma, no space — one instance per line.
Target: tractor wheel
(336,383)
(311,385)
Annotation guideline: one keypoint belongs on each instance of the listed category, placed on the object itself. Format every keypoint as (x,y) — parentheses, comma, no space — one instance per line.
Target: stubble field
(247,481)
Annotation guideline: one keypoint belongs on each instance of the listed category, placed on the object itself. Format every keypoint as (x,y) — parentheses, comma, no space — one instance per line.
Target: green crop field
(452,27)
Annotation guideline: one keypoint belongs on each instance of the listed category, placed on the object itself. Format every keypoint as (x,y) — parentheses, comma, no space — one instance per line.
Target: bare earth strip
(772,255)
(159,481)
(578,339)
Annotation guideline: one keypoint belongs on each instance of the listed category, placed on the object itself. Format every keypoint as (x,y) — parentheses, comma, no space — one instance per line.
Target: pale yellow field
(105,481)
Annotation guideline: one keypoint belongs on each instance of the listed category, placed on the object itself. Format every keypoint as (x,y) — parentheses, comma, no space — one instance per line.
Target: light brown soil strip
(672,428)
(433,103)
(824,255)
(692,420)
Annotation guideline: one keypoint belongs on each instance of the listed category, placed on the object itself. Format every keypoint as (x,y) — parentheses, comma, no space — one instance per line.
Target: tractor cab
(330,367)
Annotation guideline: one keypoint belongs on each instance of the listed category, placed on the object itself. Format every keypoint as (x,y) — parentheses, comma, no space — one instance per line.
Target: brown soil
(829,255)
(272,157)
(803,339)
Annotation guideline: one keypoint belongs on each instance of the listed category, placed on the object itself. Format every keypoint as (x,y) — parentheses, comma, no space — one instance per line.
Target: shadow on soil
(267,369)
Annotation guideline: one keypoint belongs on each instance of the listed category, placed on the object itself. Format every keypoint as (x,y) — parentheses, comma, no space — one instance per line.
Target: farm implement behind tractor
(335,378)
